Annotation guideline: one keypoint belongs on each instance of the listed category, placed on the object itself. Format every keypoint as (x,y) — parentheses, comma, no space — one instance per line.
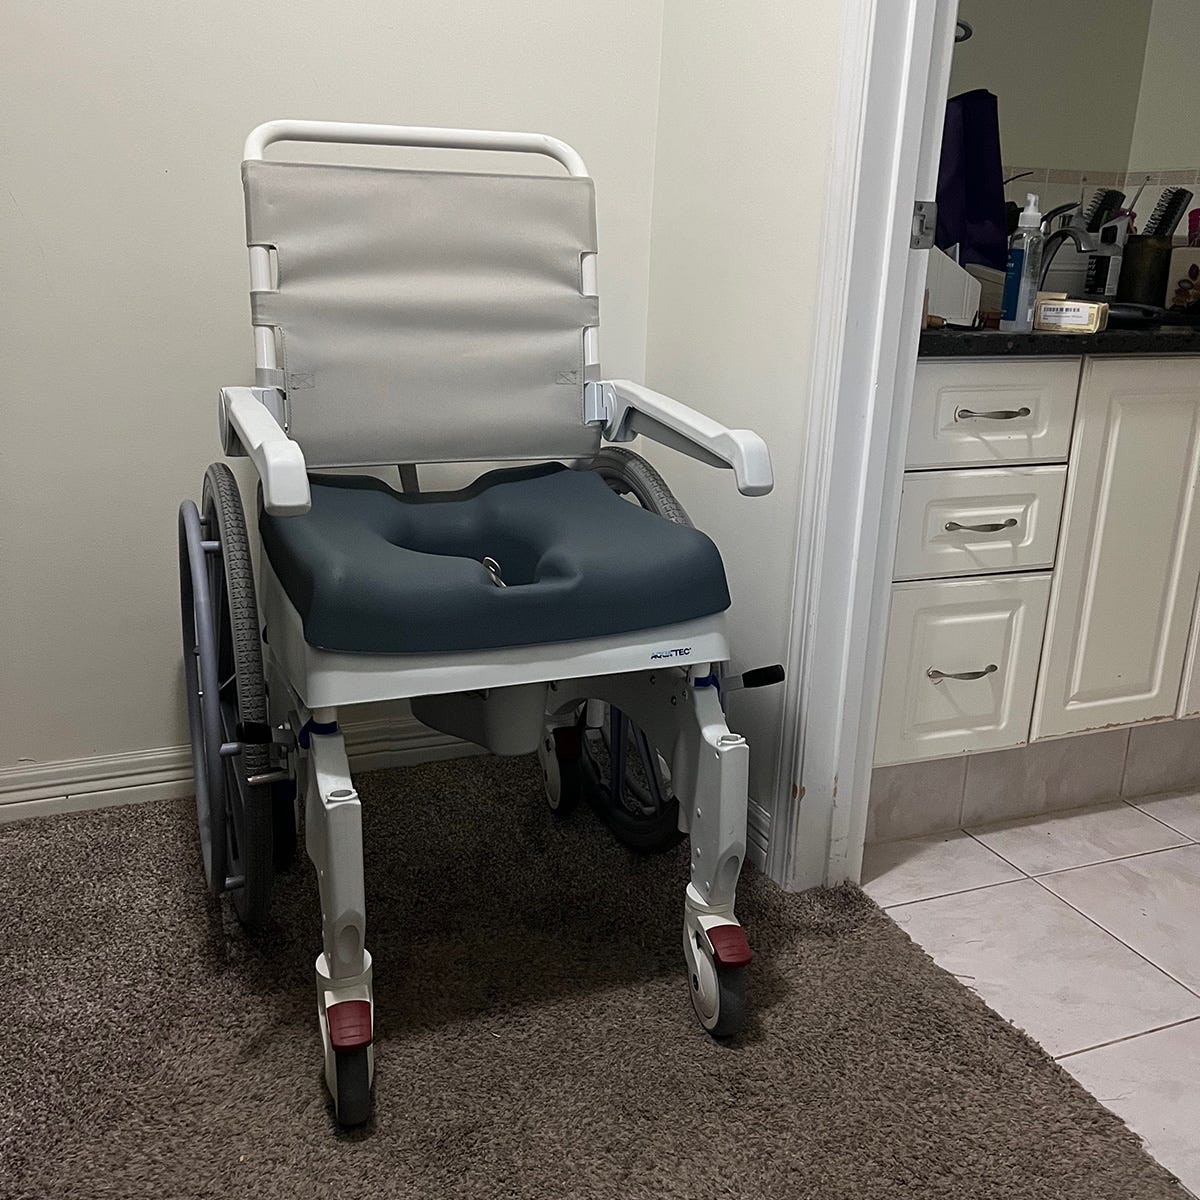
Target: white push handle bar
(411,135)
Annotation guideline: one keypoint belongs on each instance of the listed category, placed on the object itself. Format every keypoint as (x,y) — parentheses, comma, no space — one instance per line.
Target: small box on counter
(1183,280)
(1055,313)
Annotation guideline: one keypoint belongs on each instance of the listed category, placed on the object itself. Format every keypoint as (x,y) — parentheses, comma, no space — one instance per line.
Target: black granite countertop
(972,343)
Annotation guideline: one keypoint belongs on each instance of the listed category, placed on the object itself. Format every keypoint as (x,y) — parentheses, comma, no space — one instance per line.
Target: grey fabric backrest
(426,316)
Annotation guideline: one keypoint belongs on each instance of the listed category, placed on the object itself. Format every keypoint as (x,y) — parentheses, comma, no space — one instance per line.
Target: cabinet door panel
(1129,557)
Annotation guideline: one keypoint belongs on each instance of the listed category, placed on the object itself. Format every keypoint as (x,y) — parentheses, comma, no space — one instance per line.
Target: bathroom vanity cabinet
(1048,556)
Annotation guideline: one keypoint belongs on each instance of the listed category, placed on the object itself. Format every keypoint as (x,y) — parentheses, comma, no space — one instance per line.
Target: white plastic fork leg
(717,831)
(333,828)
(720,774)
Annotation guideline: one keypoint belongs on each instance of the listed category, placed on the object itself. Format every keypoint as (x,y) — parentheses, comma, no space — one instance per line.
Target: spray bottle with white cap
(1024,270)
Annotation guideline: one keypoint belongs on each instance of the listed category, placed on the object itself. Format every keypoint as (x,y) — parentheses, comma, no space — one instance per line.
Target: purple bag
(970,190)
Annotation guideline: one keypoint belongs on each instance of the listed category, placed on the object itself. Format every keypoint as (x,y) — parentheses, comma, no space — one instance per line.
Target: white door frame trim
(892,82)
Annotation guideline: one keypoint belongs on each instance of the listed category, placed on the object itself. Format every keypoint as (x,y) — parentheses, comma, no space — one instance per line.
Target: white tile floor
(1083,929)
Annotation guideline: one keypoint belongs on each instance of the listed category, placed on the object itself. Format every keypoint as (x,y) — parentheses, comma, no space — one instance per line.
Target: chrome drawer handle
(937,676)
(993,527)
(996,414)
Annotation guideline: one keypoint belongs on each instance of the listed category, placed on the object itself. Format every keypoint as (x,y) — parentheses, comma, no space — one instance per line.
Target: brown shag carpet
(535,1034)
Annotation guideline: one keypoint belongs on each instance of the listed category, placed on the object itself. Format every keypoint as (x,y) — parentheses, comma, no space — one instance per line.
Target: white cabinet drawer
(961,666)
(976,412)
(976,522)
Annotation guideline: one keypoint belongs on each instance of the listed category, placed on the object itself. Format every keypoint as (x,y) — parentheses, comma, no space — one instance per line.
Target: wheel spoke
(637,784)
(658,797)
(617,752)
(235,784)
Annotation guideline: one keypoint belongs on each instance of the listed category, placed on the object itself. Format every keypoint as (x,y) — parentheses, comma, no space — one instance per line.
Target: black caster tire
(352,1105)
(718,991)
(562,772)
(731,1005)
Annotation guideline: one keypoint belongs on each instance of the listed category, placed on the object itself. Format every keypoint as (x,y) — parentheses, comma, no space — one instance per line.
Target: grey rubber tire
(630,474)
(250,826)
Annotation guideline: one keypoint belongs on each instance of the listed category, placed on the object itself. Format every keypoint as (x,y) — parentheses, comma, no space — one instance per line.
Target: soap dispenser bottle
(1024,270)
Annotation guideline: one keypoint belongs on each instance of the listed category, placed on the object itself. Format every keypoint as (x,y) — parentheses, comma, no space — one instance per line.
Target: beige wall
(124,303)
(1066,75)
(745,118)
(124,287)
(1165,133)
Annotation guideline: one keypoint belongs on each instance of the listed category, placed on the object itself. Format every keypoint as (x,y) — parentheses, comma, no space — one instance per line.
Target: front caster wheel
(352,1099)
(723,1010)
(718,957)
(560,756)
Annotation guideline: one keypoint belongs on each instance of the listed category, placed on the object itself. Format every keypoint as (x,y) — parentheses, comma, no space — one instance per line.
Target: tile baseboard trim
(1132,764)
(39,789)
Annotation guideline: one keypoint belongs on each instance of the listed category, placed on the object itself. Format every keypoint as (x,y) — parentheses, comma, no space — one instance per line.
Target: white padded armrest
(278,460)
(627,409)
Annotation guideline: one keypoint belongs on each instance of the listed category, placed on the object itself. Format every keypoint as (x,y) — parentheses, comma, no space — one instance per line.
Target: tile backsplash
(914,799)
(1056,186)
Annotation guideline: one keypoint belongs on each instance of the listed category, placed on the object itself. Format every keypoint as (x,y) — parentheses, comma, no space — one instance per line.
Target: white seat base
(331,678)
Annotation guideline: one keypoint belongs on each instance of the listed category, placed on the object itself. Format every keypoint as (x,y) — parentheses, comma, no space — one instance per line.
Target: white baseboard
(73,785)
(79,784)
(168,767)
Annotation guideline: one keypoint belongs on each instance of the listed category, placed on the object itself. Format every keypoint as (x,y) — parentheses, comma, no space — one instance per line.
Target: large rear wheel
(628,782)
(625,777)
(227,706)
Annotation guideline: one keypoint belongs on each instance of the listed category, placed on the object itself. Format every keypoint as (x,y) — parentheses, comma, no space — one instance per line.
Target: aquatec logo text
(677,652)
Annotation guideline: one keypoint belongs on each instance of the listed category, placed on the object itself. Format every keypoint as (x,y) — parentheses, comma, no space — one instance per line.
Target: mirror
(1090,94)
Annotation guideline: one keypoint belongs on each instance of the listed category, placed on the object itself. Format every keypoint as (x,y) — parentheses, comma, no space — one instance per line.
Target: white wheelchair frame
(510,699)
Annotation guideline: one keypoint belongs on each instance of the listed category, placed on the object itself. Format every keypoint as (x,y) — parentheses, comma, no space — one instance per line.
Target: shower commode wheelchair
(561,603)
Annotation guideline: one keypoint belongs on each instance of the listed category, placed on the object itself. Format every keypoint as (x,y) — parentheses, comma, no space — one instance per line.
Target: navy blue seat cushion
(373,571)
